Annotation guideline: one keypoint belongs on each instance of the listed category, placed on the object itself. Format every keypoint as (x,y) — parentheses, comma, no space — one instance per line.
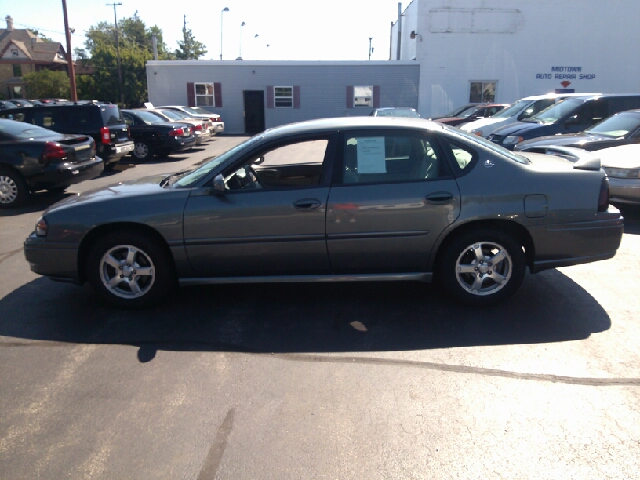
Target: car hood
(481,122)
(143,187)
(624,156)
(576,139)
(523,128)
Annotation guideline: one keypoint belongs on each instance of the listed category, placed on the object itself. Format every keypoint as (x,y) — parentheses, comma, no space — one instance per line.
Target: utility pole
(115,21)
(370,49)
(70,67)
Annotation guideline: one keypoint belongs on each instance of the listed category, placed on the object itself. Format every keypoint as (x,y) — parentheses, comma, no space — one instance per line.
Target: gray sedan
(351,199)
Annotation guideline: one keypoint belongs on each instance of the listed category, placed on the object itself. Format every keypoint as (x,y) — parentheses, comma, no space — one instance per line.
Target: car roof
(351,123)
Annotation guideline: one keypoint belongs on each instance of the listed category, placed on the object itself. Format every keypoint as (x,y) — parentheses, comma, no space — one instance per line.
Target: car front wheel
(130,269)
(482,268)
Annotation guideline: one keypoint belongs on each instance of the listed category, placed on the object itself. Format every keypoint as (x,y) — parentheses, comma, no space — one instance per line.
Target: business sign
(565,73)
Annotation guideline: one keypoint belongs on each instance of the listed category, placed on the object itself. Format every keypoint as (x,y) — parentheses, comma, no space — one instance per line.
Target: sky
(285,29)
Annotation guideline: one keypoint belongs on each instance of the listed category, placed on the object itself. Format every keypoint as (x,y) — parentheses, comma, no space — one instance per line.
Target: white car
(520,110)
(622,166)
(199,112)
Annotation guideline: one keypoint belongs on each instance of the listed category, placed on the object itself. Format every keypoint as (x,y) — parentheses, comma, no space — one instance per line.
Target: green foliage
(41,35)
(47,84)
(189,48)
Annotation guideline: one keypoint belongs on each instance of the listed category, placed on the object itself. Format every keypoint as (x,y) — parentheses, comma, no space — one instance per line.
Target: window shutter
(217,94)
(270,99)
(296,96)
(376,96)
(191,94)
(349,96)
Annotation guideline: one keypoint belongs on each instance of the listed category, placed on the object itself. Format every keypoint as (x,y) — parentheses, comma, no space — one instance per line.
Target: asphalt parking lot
(290,381)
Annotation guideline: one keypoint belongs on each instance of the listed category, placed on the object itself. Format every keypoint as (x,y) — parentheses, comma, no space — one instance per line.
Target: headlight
(42,227)
(622,172)
(512,140)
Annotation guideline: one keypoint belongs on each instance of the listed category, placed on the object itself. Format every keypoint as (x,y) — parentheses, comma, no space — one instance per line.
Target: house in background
(23,52)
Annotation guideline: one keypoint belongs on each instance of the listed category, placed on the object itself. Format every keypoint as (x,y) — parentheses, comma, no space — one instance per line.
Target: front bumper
(61,175)
(624,190)
(57,261)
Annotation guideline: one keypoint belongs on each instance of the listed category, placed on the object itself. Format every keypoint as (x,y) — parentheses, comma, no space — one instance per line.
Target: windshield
(495,148)
(149,117)
(617,126)
(111,115)
(468,112)
(557,111)
(172,114)
(191,178)
(512,110)
(195,110)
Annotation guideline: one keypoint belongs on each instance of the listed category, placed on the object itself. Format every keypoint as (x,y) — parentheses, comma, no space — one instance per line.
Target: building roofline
(283,63)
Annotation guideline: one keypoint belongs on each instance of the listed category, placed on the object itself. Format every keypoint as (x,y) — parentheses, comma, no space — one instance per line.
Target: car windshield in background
(556,112)
(617,126)
(468,112)
(193,177)
(172,114)
(512,110)
(489,145)
(24,130)
(196,111)
(111,115)
(398,112)
(149,117)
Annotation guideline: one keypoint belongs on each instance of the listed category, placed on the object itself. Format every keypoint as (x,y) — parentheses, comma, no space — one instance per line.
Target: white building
(497,50)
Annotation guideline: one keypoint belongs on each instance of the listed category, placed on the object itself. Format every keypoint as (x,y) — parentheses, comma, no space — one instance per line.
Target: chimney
(9,23)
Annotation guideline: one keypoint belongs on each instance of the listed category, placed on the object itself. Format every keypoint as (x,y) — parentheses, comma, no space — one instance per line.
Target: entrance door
(253,111)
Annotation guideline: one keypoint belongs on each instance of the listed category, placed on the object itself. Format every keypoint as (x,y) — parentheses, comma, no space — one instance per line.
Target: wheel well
(513,228)
(97,233)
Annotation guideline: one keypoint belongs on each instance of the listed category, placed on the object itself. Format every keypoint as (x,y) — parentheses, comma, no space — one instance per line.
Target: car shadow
(36,202)
(631,215)
(304,318)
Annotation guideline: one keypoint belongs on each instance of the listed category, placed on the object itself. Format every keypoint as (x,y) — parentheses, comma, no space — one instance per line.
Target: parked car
(571,115)
(473,113)
(455,112)
(154,136)
(201,128)
(7,104)
(103,122)
(198,112)
(395,112)
(620,129)
(21,102)
(356,198)
(34,158)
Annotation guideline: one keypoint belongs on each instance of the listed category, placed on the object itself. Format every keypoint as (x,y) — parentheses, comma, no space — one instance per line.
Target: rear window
(23,130)
(111,115)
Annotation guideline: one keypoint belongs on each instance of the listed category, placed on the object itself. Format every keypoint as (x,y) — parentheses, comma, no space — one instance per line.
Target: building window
(283,96)
(17,70)
(204,95)
(482,92)
(363,96)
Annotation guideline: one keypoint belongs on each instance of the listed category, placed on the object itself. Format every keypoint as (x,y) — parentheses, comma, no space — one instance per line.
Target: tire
(13,189)
(471,276)
(142,150)
(163,152)
(130,270)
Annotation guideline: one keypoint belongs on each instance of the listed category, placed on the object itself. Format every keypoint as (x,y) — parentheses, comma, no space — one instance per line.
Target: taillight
(105,136)
(603,198)
(198,128)
(216,119)
(53,151)
(176,132)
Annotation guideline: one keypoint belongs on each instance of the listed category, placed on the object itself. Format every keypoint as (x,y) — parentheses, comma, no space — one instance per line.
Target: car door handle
(307,204)
(439,197)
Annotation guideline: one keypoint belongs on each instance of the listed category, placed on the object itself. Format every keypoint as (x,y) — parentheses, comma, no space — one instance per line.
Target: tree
(189,47)
(47,84)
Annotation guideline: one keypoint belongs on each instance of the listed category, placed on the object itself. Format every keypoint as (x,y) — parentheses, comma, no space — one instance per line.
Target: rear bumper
(179,144)
(65,174)
(575,243)
(114,152)
(622,190)
(218,127)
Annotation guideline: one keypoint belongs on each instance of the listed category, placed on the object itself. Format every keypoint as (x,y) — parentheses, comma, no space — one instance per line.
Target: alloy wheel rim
(141,150)
(483,268)
(127,271)
(8,190)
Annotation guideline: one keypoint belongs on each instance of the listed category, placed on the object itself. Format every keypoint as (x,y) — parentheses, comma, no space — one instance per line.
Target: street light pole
(225,9)
(115,20)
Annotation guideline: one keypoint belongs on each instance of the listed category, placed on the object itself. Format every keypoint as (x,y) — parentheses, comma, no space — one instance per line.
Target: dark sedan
(34,158)
(620,129)
(152,135)
(346,199)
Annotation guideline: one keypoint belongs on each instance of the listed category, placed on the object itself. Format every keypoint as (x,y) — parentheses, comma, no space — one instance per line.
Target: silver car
(348,199)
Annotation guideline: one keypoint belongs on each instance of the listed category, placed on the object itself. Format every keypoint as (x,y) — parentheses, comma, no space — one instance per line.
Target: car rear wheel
(163,152)
(130,269)
(13,189)
(482,268)
(142,150)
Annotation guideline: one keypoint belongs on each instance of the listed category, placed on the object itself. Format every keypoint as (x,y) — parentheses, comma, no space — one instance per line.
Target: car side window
(463,157)
(128,119)
(296,164)
(390,158)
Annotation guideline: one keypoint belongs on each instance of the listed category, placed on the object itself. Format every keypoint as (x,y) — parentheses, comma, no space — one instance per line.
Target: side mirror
(218,184)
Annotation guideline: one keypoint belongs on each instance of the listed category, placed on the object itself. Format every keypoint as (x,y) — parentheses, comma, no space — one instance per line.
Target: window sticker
(371,155)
